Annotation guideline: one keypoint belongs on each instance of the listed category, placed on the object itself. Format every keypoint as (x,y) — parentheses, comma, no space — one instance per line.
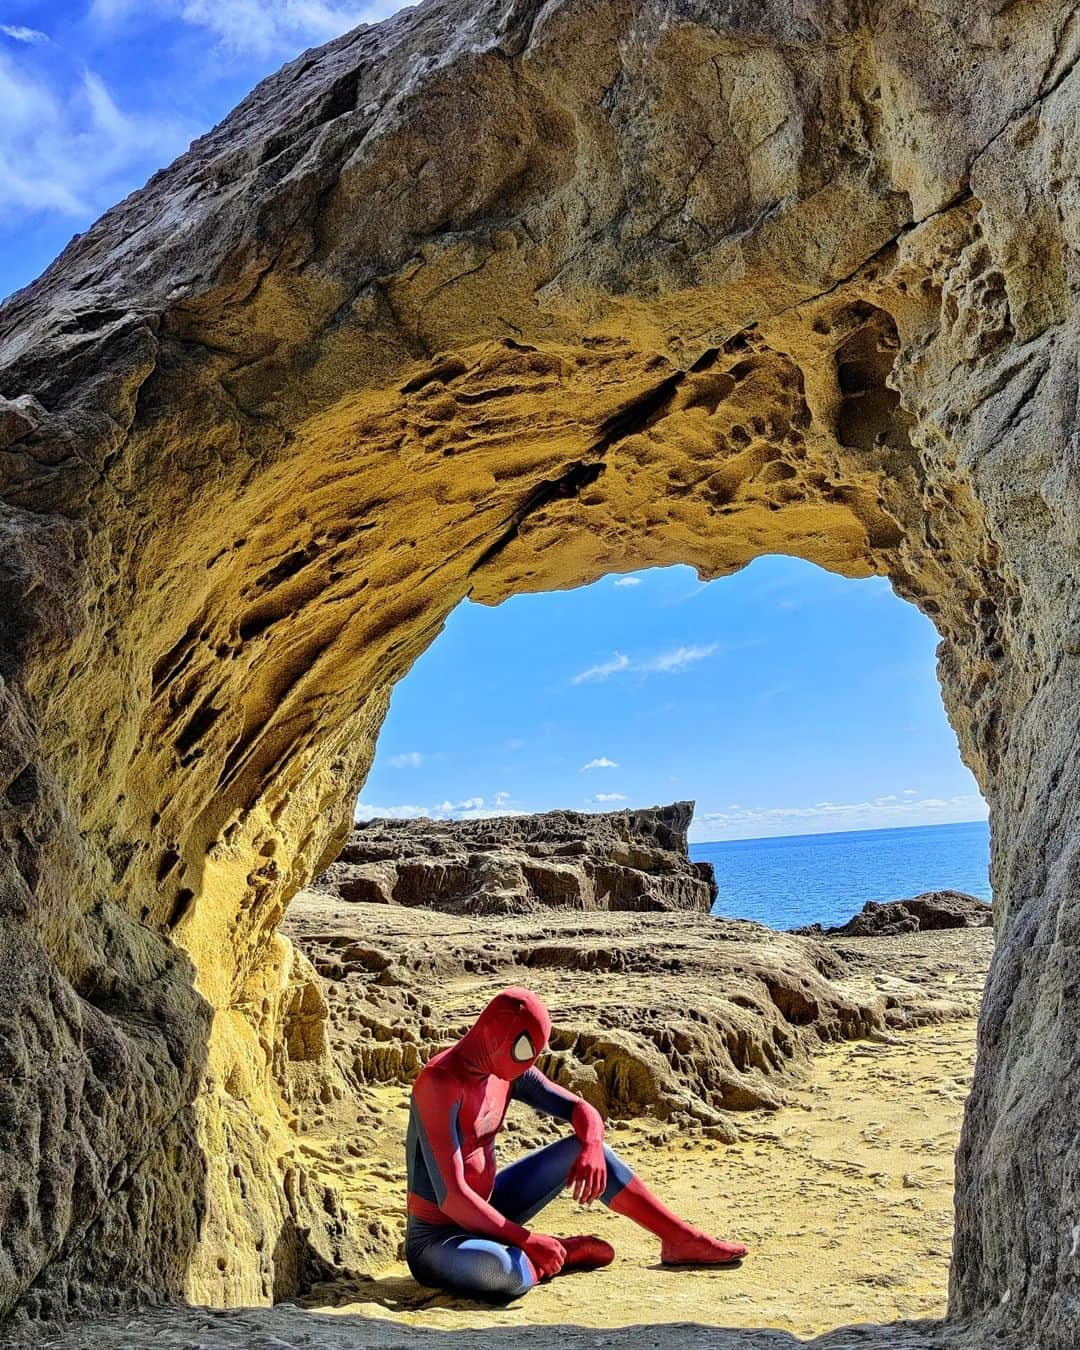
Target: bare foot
(587,1253)
(698,1249)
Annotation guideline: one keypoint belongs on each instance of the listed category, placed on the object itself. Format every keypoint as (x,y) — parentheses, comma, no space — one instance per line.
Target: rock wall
(502,295)
(618,860)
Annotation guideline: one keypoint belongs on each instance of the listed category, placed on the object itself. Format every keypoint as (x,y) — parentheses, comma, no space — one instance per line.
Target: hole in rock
(802,1094)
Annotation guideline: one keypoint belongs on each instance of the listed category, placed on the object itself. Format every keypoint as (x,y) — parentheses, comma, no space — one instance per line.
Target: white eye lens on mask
(523,1049)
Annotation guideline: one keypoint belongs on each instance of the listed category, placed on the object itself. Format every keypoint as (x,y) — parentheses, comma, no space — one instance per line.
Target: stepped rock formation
(619,860)
(920,914)
(680,1019)
(499,296)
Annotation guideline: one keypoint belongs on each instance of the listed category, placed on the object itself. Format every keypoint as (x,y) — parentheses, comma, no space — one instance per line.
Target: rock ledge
(619,860)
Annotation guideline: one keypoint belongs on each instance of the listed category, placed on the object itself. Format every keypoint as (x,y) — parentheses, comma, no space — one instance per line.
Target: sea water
(826,878)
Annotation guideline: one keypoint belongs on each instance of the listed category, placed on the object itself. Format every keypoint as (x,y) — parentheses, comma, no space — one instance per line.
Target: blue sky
(97,94)
(783,699)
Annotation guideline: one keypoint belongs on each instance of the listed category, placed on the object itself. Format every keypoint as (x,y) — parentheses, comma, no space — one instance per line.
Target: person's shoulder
(436,1078)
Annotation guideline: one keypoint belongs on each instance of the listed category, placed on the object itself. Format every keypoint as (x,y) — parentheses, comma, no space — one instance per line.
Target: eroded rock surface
(502,296)
(920,914)
(619,860)
(678,1018)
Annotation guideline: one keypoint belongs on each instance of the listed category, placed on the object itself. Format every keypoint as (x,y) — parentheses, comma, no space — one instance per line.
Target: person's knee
(502,1273)
(522,1276)
(619,1174)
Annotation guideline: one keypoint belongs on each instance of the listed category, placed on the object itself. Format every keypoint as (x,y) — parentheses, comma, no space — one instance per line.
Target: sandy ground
(845,1196)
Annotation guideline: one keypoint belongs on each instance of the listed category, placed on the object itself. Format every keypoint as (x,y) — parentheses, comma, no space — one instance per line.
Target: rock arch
(496,297)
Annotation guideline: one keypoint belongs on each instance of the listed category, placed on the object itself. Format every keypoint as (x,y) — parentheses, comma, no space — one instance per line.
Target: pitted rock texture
(619,860)
(920,914)
(497,296)
(681,1019)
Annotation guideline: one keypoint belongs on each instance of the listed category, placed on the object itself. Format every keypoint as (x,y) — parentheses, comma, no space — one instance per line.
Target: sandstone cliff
(619,860)
(503,295)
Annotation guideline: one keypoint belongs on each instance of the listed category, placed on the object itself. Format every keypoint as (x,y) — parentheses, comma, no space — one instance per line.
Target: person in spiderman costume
(466,1222)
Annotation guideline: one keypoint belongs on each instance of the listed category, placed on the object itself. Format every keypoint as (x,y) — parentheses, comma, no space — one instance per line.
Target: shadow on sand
(290,1327)
(287,1326)
(401,1293)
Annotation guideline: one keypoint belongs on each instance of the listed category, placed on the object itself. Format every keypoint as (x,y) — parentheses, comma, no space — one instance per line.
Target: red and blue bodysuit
(467,1221)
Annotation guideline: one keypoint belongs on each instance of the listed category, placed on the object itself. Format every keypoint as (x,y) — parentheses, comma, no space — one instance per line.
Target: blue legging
(451,1258)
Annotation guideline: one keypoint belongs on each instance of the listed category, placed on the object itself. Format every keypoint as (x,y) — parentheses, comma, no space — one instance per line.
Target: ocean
(826,878)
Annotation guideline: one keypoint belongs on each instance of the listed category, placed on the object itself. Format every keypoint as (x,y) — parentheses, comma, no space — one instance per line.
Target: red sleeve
(438,1102)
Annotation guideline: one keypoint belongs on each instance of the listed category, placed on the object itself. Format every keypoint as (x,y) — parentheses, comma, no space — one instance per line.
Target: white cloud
(666,663)
(628,581)
(411,759)
(366,811)
(601,762)
(21,34)
(610,797)
(910,792)
(601,672)
(679,658)
(258,27)
(740,822)
(73,150)
(471,808)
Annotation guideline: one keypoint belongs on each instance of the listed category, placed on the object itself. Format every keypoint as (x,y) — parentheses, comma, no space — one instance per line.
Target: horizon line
(817,834)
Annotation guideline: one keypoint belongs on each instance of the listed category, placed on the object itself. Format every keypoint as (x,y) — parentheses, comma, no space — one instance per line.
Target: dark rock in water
(932,909)
(620,860)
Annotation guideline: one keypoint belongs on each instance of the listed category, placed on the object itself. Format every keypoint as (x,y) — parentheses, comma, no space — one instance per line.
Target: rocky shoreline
(659,1009)
(926,913)
(519,864)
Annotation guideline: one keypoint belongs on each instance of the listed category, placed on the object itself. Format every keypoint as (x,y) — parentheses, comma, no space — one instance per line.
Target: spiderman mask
(508,1036)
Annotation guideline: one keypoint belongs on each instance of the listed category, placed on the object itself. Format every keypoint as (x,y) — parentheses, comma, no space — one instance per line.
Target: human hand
(546,1253)
(588,1176)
